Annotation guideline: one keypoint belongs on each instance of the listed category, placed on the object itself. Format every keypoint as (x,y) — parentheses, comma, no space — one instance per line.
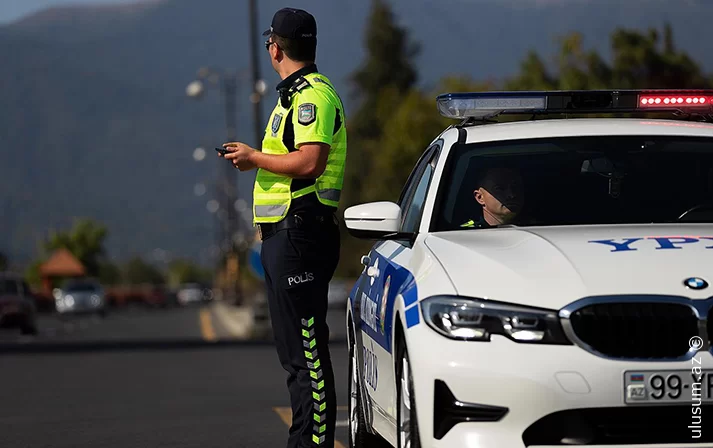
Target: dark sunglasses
(268,43)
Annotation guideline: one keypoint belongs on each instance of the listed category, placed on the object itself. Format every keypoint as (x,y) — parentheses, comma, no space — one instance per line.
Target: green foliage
(85,240)
(139,272)
(32,274)
(184,271)
(387,73)
(109,273)
(640,60)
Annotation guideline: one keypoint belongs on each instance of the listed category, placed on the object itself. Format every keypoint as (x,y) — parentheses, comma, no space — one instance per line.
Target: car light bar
(490,104)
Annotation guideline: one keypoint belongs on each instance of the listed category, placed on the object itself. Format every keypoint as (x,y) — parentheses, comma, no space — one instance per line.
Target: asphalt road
(147,378)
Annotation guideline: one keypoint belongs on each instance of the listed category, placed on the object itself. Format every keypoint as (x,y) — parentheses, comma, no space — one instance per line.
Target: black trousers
(299,264)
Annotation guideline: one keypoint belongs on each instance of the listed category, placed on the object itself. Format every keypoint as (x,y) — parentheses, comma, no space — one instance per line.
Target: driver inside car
(500,195)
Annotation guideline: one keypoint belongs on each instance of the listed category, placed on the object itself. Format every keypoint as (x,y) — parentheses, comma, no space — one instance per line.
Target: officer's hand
(240,154)
(244,166)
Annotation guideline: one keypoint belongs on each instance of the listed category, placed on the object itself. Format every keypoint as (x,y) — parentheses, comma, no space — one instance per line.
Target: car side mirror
(374,221)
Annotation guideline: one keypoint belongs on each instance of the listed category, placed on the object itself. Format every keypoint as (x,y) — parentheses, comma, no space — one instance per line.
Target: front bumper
(80,305)
(538,395)
(15,319)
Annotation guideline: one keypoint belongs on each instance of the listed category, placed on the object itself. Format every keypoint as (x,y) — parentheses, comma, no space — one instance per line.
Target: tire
(407,435)
(359,435)
(29,328)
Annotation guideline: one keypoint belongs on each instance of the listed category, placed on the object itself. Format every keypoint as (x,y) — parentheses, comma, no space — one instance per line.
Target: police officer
(501,197)
(296,194)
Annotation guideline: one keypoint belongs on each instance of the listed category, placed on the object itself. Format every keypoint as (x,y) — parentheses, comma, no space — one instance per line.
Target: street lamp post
(227,193)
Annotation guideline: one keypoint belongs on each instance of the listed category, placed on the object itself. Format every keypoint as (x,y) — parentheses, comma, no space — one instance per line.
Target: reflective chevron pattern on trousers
(318,393)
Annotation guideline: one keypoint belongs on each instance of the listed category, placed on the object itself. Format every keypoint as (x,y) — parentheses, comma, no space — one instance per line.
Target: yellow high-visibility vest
(317,116)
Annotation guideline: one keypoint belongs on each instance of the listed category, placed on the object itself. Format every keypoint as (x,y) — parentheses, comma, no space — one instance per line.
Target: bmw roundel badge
(696,283)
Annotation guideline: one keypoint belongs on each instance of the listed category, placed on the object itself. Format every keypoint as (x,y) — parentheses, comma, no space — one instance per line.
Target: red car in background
(160,296)
(17,304)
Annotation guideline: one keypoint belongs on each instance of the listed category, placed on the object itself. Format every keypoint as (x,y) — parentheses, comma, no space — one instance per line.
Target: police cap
(292,23)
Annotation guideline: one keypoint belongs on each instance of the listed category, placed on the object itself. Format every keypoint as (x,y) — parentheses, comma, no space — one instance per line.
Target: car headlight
(472,319)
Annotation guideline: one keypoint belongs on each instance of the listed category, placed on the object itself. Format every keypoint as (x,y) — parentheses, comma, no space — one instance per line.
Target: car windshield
(8,286)
(81,287)
(581,180)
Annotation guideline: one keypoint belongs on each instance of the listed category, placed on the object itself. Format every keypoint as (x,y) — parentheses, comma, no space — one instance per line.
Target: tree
(184,271)
(32,273)
(109,273)
(138,272)
(385,76)
(388,67)
(639,61)
(85,240)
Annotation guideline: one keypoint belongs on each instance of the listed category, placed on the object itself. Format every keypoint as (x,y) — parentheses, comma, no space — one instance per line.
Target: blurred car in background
(262,326)
(17,305)
(159,296)
(194,293)
(337,300)
(81,296)
(339,293)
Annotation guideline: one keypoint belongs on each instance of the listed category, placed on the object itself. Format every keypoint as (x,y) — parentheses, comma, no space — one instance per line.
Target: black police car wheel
(407,421)
(359,436)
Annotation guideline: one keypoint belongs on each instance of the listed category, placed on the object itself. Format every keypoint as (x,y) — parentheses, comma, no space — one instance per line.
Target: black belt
(297,221)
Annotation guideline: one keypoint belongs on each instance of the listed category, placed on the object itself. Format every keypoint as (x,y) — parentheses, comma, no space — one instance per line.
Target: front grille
(636,330)
(621,426)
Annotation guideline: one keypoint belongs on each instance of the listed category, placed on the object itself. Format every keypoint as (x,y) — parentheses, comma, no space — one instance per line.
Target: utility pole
(230,191)
(258,84)
(230,88)
(228,225)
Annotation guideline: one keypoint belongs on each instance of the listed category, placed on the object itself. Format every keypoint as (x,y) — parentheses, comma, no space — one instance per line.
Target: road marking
(238,321)
(207,330)
(286,417)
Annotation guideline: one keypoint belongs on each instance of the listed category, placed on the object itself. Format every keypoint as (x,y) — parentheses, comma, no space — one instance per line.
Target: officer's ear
(275,50)
(279,53)
(478,195)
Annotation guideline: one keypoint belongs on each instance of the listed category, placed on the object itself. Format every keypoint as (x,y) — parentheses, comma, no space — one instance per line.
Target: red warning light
(665,101)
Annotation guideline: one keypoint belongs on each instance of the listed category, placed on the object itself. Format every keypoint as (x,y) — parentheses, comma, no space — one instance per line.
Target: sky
(11,10)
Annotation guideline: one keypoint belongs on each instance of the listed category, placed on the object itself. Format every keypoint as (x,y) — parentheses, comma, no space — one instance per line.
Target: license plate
(668,386)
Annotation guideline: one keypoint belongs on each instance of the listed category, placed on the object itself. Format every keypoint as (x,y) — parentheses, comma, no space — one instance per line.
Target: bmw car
(543,279)
(81,296)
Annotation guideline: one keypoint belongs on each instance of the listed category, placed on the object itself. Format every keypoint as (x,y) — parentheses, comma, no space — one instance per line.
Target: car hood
(553,266)
(7,299)
(80,294)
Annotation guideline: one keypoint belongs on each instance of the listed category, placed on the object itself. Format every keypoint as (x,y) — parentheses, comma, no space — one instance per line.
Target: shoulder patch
(276,120)
(307,113)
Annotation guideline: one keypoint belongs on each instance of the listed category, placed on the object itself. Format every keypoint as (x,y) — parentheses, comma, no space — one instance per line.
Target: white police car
(572,324)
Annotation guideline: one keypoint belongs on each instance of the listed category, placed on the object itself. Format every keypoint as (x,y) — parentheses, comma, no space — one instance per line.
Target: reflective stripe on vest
(272,193)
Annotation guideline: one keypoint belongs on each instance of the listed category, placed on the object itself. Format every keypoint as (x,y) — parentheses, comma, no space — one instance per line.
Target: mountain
(94,120)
